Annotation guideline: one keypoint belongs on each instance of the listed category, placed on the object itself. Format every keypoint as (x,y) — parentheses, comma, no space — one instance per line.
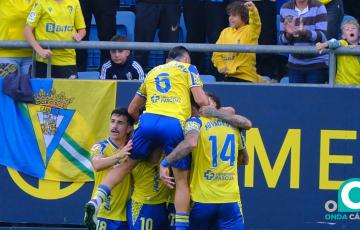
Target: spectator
(105,16)
(152,15)
(13,18)
(348,66)
(121,66)
(244,29)
(335,14)
(303,22)
(204,20)
(58,20)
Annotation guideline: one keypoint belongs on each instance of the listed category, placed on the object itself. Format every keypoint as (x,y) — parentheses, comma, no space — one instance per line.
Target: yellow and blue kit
(57,21)
(348,68)
(167,92)
(214,185)
(112,214)
(147,207)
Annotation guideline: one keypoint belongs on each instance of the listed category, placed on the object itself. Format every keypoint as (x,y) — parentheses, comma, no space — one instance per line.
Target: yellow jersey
(148,188)
(348,68)
(115,207)
(13,14)
(167,89)
(214,174)
(240,65)
(57,21)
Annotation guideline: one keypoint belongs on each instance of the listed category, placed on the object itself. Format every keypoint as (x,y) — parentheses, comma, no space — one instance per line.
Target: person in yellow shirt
(215,146)
(55,20)
(166,93)
(13,14)
(245,27)
(106,155)
(147,208)
(348,66)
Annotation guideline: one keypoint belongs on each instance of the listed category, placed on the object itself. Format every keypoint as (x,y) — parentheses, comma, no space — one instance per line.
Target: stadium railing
(192,47)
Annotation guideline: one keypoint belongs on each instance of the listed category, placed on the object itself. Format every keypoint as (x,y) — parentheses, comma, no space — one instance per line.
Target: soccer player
(166,93)
(106,155)
(147,208)
(215,145)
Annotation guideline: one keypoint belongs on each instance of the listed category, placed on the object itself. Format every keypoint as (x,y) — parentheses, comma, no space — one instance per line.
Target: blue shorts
(216,216)
(147,216)
(106,224)
(158,131)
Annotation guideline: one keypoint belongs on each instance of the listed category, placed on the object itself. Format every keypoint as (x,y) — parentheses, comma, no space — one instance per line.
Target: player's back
(214,176)
(167,89)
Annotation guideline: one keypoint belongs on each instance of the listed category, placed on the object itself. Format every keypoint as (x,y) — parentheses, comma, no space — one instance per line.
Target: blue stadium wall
(303,145)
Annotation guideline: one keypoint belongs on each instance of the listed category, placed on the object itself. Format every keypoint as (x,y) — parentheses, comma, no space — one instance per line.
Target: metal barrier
(277,49)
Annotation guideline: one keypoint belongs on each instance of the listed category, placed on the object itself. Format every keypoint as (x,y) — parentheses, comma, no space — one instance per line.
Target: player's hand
(77,37)
(321,46)
(249,4)
(128,146)
(207,111)
(352,46)
(44,53)
(166,178)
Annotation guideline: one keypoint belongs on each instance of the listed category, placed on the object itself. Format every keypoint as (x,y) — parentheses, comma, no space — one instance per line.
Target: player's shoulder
(194,122)
(99,147)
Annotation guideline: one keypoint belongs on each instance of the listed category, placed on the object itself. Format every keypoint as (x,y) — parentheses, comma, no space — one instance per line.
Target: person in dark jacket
(121,66)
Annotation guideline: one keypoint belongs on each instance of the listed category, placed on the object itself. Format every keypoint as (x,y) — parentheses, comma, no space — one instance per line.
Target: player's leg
(114,177)
(182,198)
(170,138)
(146,216)
(230,216)
(202,216)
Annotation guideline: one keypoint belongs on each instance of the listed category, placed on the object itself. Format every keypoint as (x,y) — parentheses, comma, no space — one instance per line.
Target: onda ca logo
(348,203)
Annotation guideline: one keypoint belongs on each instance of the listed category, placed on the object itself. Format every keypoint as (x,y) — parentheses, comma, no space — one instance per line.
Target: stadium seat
(125,24)
(207,78)
(284,80)
(88,75)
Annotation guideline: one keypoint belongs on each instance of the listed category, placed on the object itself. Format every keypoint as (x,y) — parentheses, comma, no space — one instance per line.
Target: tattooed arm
(183,148)
(232,119)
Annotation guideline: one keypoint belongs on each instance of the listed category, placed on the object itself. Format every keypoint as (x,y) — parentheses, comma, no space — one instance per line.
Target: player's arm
(135,105)
(99,162)
(233,119)
(200,97)
(183,148)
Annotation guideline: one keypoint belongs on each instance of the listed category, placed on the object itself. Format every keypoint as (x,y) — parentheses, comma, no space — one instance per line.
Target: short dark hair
(238,8)
(178,52)
(119,38)
(124,112)
(215,98)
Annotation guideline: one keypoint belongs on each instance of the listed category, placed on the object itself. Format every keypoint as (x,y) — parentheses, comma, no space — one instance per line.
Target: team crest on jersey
(32,16)
(70,8)
(53,117)
(50,9)
(96,149)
